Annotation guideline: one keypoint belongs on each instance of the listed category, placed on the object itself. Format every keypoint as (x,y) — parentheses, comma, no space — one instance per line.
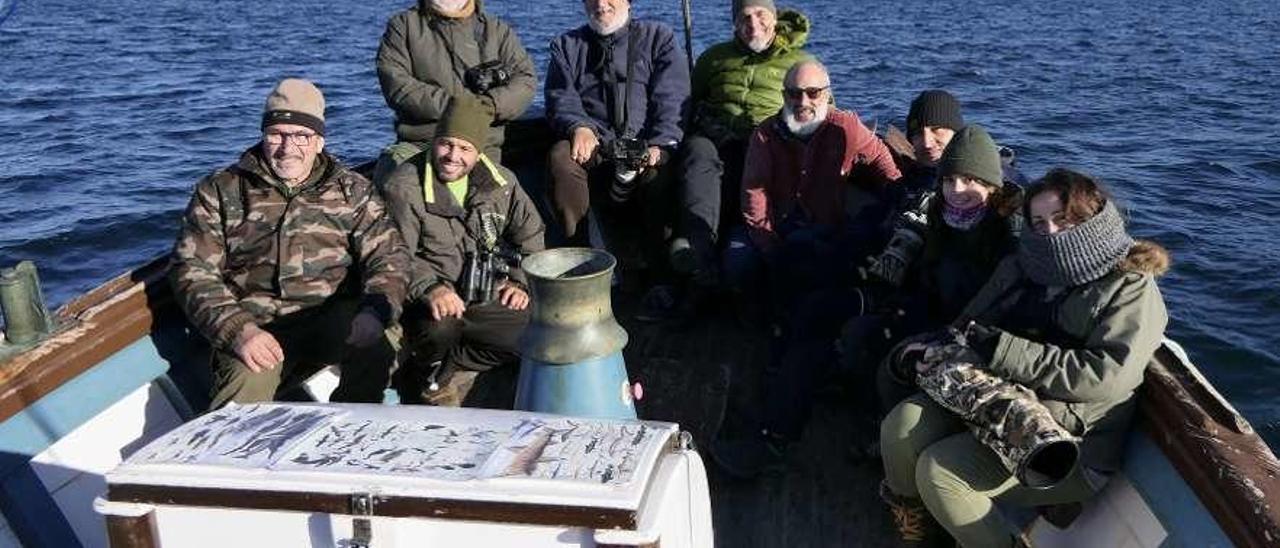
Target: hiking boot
(683,258)
(663,303)
(746,458)
(914,525)
(452,391)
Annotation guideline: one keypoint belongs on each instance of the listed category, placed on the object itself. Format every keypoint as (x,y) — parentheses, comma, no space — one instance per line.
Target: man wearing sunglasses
(286,261)
(736,85)
(801,164)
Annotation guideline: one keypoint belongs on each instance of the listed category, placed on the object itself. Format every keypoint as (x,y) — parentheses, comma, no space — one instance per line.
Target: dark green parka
(734,88)
(1087,364)
(439,231)
(422,59)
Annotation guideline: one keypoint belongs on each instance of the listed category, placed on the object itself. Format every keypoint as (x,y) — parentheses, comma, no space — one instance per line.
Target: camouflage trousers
(1006,417)
(311,339)
(929,453)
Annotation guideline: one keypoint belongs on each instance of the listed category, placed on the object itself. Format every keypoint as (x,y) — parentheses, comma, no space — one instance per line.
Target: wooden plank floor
(691,373)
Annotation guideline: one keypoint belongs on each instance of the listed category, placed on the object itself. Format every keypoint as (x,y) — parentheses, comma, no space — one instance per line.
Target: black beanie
(934,107)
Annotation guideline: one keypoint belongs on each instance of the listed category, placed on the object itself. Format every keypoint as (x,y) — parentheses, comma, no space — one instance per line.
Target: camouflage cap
(295,101)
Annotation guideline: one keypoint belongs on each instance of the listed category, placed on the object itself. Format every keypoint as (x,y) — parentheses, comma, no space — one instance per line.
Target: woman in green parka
(1075,316)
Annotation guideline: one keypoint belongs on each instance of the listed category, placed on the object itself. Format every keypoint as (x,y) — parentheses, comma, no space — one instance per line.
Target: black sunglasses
(813,93)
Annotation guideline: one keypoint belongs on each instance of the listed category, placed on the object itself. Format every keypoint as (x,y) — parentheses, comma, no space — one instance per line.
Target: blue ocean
(110,112)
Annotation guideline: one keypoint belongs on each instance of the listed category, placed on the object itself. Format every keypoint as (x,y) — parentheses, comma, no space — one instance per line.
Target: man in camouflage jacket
(287,261)
(461,215)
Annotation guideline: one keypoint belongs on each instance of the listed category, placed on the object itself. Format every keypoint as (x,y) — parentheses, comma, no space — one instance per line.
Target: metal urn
(571,352)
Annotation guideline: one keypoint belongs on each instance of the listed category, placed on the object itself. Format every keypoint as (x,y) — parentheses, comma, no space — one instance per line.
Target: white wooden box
(396,476)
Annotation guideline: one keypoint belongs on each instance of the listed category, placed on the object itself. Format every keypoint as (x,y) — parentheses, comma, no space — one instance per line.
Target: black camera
(485,76)
(908,237)
(629,157)
(630,154)
(481,273)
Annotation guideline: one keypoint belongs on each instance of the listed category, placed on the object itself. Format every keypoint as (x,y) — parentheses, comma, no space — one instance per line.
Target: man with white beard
(440,49)
(736,85)
(615,91)
(800,165)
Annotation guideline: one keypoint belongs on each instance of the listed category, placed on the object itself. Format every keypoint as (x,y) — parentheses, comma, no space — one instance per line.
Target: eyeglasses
(301,138)
(813,93)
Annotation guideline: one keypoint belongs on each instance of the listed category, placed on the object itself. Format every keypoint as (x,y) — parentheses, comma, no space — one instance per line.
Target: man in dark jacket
(287,261)
(615,92)
(466,221)
(444,48)
(736,85)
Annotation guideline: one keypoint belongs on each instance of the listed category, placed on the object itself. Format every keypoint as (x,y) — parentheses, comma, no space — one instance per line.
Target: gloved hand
(891,265)
(909,353)
(982,339)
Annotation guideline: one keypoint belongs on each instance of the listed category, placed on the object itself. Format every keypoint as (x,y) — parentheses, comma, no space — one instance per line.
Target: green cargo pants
(310,339)
(930,454)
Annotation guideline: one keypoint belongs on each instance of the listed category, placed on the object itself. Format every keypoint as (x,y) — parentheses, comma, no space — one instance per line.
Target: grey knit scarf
(1078,255)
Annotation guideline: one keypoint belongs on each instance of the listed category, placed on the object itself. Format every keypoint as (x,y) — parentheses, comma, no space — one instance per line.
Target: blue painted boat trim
(24,500)
(55,415)
(1174,503)
(32,514)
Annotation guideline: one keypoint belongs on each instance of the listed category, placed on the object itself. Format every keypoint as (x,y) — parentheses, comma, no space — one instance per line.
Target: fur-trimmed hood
(1146,257)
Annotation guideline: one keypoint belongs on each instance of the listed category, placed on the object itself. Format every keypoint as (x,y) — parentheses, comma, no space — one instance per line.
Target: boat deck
(691,373)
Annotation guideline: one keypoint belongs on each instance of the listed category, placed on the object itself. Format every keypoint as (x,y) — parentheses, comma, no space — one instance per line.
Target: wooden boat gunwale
(1213,448)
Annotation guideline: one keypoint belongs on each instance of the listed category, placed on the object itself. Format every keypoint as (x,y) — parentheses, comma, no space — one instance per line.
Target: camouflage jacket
(252,249)
(440,232)
(1088,371)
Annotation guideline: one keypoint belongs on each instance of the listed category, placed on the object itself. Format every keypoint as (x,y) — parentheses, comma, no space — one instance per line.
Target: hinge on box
(362,526)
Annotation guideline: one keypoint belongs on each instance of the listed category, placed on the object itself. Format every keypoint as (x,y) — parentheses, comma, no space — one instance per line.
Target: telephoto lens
(624,183)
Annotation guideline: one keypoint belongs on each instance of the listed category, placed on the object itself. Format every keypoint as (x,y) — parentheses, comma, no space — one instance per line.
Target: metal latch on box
(362,526)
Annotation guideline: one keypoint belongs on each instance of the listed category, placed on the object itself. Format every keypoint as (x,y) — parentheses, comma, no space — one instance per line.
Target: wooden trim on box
(654,544)
(385,506)
(132,531)
(90,329)
(1230,468)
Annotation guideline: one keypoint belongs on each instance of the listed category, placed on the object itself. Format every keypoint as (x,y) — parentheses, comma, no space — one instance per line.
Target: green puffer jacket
(734,89)
(1107,332)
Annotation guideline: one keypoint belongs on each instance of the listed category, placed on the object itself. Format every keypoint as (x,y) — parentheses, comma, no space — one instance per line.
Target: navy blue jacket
(575,90)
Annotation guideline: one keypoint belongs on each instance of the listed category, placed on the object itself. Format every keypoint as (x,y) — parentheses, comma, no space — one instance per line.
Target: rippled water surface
(109,112)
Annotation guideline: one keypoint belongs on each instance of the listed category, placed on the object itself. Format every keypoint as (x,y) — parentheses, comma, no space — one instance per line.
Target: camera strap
(621,105)
(455,60)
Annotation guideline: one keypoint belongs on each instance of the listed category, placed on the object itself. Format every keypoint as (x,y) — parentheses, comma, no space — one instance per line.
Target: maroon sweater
(783,172)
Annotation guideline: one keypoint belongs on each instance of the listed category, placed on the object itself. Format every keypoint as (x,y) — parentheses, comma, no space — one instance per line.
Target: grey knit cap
(1078,255)
(739,4)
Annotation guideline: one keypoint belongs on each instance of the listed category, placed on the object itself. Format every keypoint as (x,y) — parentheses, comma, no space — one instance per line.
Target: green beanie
(465,118)
(972,152)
